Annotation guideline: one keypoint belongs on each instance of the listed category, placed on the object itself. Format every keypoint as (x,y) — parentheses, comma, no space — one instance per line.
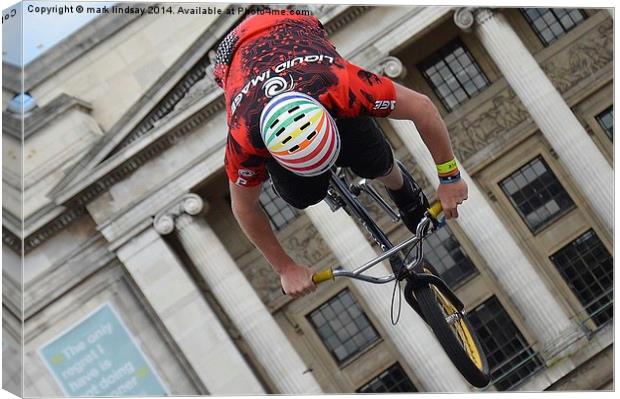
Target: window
(552,23)
(343,327)
(510,358)
(444,252)
(606,120)
(587,268)
(280,213)
(453,74)
(393,379)
(536,194)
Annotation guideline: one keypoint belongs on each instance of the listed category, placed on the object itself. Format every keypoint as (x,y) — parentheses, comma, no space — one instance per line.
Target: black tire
(465,353)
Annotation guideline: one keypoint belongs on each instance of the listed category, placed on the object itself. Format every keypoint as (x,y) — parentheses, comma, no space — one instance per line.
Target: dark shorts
(364,149)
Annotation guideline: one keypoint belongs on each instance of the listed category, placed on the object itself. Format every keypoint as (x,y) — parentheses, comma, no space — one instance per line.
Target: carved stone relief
(306,245)
(583,58)
(496,116)
(263,279)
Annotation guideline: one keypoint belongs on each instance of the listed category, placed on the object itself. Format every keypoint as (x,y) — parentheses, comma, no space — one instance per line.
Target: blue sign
(98,357)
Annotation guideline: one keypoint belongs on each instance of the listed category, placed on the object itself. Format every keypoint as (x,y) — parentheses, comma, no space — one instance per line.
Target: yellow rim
(463,333)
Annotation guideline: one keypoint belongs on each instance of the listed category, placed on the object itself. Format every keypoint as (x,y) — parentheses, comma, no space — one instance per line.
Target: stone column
(576,150)
(510,265)
(411,336)
(239,300)
(186,315)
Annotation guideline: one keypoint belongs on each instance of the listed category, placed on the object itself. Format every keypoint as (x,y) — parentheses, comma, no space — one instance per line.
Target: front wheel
(454,333)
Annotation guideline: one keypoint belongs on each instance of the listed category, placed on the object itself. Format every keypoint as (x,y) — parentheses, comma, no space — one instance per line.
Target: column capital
(466,17)
(189,204)
(391,67)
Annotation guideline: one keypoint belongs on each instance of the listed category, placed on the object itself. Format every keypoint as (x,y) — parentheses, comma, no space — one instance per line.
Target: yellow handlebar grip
(435,209)
(323,275)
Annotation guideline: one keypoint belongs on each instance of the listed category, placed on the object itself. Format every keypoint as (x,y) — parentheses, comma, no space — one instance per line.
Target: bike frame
(340,195)
(446,316)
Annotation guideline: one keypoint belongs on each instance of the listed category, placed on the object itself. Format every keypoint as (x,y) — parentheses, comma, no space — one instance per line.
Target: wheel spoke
(454,319)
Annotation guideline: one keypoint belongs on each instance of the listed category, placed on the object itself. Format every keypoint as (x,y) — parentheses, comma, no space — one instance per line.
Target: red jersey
(269,54)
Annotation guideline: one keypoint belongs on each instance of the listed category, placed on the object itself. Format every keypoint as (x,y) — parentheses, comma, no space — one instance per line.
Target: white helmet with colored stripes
(300,134)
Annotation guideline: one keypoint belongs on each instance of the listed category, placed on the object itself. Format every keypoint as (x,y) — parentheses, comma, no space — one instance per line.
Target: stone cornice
(11,240)
(154,105)
(413,22)
(131,158)
(11,296)
(55,225)
(41,117)
(11,77)
(123,224)
(335,23)
(63,53)
(87,258)
(117,168)
(11,222)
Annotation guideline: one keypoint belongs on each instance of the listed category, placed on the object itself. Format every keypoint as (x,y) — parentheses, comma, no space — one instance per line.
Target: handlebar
(323,275)
(328,273)
(435,210)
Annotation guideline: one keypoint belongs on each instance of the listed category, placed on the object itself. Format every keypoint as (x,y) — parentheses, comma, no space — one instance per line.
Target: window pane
(587,268)
(347,330)
(453,74)
(606,120)
(279,212)
(510,358)
(444,252)
(393,379)
(539,197)
(552,23)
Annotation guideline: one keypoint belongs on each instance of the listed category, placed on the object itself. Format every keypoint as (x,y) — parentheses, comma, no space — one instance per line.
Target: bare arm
(296,279)
(419,109)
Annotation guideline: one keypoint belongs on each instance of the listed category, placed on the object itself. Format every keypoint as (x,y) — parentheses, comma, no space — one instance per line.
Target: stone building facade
(126,206)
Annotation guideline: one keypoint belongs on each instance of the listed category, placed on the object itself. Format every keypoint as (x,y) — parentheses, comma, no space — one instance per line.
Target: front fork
(414,279)
(417,279)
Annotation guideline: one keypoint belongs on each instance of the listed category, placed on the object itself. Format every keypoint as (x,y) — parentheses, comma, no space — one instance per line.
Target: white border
(505,3)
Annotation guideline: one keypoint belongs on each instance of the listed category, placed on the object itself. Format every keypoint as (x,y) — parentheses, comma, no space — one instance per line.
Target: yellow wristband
(447,167)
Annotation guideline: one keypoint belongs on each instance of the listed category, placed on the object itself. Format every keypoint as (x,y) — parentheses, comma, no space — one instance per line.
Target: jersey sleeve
(223,57)
(242,167)
(363,93)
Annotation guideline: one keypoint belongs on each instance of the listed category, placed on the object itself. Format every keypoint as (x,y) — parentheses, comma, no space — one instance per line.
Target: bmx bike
(424,290)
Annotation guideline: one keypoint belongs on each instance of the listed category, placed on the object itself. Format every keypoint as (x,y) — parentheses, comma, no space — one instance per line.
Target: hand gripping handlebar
(328,273)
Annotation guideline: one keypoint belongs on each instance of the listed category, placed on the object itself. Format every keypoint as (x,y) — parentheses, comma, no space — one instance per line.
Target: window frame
(536,230)
(351,357)
(586,112)
(543,41)
(522,337)
(598,118)
(569,283)
(463,279)
(553,237)
(439,55)
(268,193)
(387,369)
